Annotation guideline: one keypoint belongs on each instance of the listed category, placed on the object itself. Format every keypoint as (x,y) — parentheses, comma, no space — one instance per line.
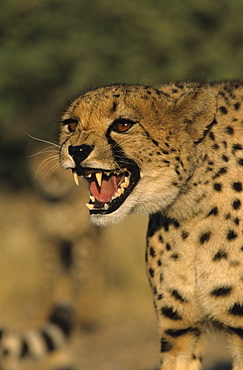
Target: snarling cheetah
(174,152)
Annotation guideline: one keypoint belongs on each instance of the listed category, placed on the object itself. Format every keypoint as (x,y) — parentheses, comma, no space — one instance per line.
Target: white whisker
(42,140)
(43,151)
(45,162)
(52,170)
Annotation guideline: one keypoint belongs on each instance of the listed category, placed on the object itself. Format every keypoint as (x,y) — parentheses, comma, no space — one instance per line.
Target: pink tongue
(105,192)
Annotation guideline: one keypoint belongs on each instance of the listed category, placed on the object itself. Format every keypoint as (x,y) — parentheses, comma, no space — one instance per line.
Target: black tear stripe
(118,153)
(206,131)
(155,142)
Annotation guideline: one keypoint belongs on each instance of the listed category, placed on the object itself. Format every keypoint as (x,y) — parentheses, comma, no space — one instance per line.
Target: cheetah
(175,153)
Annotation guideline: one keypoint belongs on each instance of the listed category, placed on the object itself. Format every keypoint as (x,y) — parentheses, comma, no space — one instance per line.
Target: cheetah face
(118,139)
(108,188)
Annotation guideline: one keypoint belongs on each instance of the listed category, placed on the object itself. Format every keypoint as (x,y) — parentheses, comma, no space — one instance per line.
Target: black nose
(80,152)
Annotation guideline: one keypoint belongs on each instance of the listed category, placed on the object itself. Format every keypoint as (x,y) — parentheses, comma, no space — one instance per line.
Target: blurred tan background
(50,51)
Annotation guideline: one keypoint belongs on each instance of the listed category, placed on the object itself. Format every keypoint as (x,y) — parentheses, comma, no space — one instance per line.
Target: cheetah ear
(198,111)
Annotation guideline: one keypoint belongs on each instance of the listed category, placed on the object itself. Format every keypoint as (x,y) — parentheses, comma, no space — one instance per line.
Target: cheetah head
(134,145)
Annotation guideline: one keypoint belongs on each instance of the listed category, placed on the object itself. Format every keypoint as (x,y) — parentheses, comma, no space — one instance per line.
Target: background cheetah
(68,263)
(173,152)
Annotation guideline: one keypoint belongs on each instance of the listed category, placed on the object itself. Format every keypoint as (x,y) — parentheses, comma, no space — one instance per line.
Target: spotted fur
(182,145)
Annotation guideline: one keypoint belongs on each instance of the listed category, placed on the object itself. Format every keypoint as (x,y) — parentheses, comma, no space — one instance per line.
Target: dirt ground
(125,337)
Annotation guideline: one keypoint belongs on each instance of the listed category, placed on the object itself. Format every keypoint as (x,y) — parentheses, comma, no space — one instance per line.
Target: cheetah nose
(80,152)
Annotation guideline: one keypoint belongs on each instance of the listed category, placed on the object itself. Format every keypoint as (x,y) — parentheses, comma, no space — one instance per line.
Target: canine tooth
(98,176)
(89,206)
(76,179)
(92,198)
(125,183)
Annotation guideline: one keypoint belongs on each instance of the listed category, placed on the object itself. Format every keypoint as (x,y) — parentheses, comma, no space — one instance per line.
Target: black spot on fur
(225,158)
(170,313)
(184,234)
(176,224)
(237,186)
(237,106)
(66,253)
(221,292)
(236,309)
(236,221)
(175,256)
(211,135)
(175,333)
(177,296)
(229,130)
(231,235)
(152,252)
(168,247)
(236,204)
(113,109)
(214,212)
(166,346)
(222,171)
(237,147)
(205,237)
(151,272)
(220,255)
(217,187)
(237,331)
(223,110)
(240,161)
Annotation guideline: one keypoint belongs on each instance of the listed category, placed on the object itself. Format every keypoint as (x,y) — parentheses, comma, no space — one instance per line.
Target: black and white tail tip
(38,343)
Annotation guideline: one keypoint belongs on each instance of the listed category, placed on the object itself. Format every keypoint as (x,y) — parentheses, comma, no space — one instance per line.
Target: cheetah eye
(71,124)
(122,125)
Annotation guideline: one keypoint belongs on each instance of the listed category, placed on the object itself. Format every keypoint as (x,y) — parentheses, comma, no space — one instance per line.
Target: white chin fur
(110,218)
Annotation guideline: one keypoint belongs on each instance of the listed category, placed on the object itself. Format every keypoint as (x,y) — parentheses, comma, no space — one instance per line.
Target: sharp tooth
(119,192)
(76,179)
(89,206)
(92,198)
(106,206)
(125,183)
(107,173)
(99,177)
(89,175)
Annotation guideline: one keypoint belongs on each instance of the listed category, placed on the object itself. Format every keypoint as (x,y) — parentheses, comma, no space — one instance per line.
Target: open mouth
(108,189)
